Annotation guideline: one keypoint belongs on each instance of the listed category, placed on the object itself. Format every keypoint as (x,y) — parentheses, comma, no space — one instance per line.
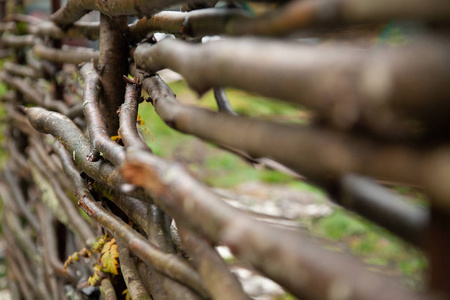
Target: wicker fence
(381,113)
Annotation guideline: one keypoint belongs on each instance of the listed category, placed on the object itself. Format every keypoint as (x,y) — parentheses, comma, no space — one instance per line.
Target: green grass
(373,244)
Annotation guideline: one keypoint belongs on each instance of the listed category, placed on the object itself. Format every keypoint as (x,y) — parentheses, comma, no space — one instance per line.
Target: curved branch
(299,264)
(71,137)
(128,115)
(66,56)
(347,86)
(168,264)
(100,140)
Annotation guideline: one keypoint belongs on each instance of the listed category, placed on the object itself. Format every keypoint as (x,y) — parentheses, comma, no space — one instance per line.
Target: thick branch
(196,23)
(66,56)
(113,65)
(345,85)
(67,133)
(303,267)
(100,140)
(321,155)
(135,209)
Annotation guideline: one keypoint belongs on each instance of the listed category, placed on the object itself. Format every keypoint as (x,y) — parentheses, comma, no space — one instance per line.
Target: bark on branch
(66,56)
(75,9)
(345,85)
(321,155)
(216,275)
(100,140)
(113,65)
(302,266)
(169,264)
(128,266)
(71,137)
(128,116)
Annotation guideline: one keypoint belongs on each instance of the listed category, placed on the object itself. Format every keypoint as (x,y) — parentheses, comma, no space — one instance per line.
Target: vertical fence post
(113,64)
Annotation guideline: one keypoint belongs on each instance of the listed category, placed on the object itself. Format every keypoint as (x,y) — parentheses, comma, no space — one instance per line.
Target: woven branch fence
(381,113)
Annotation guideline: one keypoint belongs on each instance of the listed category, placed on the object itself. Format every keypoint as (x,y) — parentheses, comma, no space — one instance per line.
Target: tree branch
(213,270)
(76,30)
(128,116)
(100,140)
(308,274)
(19,70)
(165,263)
(113,65)
(67,133)
(384,207)
(107,289)
(323,156)
(351,94)
(136,288)
(19,41)
(197,23)
(168,264)
(66,56)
